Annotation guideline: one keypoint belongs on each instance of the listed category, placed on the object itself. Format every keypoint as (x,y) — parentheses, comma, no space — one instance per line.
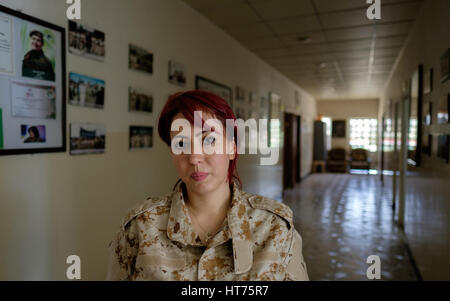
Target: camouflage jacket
(257,241)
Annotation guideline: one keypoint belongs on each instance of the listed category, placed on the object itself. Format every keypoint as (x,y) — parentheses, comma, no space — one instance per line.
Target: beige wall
(427,209)
(55,205)
(346,109)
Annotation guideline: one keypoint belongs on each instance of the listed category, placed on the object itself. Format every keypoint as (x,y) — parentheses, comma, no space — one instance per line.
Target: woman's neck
(214,203)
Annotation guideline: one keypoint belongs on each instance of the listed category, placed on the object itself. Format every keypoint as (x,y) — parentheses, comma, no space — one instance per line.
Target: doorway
(292,150)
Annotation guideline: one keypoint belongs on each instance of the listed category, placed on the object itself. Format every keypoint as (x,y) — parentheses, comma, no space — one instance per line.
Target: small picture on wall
(445,66)
(86,138)
(240,94)
(177,73)
(140,59)
(426,113)
(141,137)
(264,107)
(428,81)
(443,110)
(86,91)
(86,41)
(140,100)
(33,133)
(443,147)
(338,129)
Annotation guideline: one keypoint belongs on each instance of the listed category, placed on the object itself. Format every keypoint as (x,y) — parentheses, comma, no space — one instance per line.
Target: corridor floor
(343,219)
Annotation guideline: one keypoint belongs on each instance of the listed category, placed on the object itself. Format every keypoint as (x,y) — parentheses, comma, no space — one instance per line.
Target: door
(290,156)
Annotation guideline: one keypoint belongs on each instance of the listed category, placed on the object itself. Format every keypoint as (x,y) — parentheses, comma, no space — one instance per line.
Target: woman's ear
(232,147)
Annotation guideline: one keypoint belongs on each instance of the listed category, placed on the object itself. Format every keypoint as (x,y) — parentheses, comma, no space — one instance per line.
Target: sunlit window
(328,123)
(412,135)
(388,136)
(363,133)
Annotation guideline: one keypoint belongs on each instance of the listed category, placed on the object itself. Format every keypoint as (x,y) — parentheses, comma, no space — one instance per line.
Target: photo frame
(428,81)
(141,137)
(445,66)
(86,41)
(86,138)
(32,85)
(86,91)
(219,89)
(338,129)
(140,59)
(240,94)
(177,74)
(443,111)
(274,136)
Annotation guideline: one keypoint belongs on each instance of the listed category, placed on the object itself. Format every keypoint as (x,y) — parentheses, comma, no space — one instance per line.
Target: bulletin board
(32,85)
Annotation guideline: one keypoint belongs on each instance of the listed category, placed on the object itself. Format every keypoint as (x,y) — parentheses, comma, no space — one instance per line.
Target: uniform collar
(237,226)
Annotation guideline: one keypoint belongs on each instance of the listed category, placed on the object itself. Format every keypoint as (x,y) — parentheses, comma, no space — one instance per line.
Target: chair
(337,160)
(359,159)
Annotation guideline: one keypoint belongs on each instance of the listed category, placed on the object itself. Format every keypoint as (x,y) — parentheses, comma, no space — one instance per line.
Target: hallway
(343,219)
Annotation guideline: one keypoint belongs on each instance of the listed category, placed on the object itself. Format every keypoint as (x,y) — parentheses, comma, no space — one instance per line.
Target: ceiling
(328,47)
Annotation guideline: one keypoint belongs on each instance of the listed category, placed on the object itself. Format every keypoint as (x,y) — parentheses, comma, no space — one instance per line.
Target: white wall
(55,205)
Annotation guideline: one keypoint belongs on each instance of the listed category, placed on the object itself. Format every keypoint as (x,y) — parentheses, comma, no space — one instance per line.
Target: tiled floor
(343,219)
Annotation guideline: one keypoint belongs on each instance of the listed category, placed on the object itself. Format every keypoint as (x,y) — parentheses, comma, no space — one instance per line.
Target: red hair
(198,100)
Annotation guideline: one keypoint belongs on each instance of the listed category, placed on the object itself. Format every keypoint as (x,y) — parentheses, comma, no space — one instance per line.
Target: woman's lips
(199,176)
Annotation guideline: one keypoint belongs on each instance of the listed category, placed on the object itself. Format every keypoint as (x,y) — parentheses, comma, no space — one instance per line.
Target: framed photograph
(141,137)
(443,111)
(177,74)
(140,59)
(240,94)
(86,138)
(264,107)
(32,85)
(240,113)
(86,41)
(140,100)
(338,128)
(86,91)
(221,90)
(445,66)
(427,110)
(428,81)
(274,120)
(443,147)
(297,100)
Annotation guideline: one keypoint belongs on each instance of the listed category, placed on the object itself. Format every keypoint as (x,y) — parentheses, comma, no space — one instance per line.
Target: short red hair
(198,100)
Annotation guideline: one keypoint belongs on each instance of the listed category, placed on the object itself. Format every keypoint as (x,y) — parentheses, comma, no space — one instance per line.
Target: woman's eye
(180,144)
(210,140)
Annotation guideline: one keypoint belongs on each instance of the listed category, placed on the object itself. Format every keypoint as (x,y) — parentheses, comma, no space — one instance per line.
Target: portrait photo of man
(35,63)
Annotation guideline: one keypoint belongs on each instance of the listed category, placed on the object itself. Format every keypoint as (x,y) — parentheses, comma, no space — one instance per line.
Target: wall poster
(32,85)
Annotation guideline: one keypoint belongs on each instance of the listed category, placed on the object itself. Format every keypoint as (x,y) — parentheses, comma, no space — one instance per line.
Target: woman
(207,228)
(34,136)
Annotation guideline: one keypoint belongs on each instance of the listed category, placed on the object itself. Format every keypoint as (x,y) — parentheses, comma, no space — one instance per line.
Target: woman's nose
(195,158)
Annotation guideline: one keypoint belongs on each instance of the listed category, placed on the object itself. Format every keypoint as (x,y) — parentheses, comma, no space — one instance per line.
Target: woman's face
(36,42)
(207,171)
(31,133)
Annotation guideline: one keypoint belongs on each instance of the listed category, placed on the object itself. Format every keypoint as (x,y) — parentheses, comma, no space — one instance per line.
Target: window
(412,135)
(363,133)
(327,121)
(388,136)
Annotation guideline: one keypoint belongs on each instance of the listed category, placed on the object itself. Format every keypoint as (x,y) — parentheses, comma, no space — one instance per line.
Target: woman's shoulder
(261,206)
(157,206)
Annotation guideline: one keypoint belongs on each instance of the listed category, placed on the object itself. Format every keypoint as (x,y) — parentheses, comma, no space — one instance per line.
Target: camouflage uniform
(257,241)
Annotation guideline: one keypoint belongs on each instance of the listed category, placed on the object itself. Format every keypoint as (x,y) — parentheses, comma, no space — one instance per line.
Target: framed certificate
(32,85)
